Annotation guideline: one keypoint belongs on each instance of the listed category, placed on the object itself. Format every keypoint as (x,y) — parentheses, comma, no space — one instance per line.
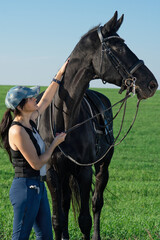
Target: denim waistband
(40,178)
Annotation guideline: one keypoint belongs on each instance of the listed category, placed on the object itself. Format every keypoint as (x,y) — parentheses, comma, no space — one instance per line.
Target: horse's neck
(71,93)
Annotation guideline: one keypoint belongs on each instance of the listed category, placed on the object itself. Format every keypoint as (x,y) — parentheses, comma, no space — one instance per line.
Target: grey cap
(16,94)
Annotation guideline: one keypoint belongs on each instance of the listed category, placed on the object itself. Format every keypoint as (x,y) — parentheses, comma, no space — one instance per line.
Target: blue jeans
(31,209)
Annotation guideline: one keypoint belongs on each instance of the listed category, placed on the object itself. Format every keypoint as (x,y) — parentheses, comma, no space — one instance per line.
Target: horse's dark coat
(69,108)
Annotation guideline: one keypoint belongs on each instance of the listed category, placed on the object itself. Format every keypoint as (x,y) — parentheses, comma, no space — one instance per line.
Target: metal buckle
(130,83)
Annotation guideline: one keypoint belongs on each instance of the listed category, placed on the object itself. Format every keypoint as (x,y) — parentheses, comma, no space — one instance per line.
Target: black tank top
(22,167)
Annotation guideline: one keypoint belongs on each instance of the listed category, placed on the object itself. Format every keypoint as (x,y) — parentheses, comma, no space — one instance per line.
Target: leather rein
(128,82)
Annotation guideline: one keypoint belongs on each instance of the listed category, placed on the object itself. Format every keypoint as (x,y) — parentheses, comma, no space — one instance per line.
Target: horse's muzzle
(153,87)
(148,92)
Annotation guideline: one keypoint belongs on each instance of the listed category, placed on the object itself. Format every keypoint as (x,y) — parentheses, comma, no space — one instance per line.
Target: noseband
(128,80)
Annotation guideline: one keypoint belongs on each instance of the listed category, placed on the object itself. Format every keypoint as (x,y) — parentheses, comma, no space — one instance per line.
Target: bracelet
(56,81)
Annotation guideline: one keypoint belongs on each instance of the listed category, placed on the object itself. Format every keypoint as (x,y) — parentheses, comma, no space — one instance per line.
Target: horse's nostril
(152,85)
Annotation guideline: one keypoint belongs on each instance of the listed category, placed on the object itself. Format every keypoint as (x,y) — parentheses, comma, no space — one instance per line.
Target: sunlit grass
(132,198)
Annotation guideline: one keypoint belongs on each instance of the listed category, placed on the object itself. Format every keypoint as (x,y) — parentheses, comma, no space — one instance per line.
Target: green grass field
(132,198)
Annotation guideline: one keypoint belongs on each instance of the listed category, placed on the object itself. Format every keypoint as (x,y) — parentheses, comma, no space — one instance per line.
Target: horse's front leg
(97,199)
(57,215)
(102,176)
(66,198)
(85,221)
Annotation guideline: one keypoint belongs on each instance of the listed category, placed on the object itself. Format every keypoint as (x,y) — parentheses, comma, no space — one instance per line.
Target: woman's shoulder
(16,129)
(16,135)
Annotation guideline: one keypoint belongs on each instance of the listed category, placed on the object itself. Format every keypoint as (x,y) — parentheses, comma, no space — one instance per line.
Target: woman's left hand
(60,137)
(62,69)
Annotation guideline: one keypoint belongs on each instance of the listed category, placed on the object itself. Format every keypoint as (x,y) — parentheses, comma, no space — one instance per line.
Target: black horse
(100,54)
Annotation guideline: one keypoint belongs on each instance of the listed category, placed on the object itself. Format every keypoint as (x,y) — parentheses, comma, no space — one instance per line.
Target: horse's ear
(112,25)
(119,22)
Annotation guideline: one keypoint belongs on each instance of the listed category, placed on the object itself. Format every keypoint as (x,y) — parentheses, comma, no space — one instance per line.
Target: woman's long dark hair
(6,124)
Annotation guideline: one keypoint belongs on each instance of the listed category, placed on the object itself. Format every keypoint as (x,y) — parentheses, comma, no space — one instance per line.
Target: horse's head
(114,62)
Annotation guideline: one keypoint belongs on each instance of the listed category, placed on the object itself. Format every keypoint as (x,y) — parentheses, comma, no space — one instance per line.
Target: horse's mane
(86,34)
(90,31)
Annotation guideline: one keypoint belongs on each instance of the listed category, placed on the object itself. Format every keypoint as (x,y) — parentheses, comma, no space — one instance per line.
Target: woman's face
(30,105)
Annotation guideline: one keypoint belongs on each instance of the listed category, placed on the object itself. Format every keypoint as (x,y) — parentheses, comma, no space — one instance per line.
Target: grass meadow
(132,198)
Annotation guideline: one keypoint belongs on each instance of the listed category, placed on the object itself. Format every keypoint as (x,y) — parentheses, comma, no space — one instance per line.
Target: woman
(27,153)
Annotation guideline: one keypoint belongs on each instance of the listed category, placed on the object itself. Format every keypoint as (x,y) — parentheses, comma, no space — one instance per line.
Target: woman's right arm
(20,140)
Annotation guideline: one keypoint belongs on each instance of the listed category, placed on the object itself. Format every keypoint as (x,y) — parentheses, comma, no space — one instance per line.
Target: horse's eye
(120,49)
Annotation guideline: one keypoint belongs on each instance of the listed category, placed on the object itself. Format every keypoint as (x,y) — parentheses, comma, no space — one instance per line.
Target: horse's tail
(75,198)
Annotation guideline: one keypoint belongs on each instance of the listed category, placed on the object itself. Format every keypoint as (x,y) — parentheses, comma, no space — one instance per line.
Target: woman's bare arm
(49,93)
(20,140)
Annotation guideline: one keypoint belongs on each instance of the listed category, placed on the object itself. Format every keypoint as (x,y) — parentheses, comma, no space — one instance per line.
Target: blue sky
(38,35)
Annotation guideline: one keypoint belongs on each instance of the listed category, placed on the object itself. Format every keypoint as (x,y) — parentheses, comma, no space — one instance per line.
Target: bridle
(128,80)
